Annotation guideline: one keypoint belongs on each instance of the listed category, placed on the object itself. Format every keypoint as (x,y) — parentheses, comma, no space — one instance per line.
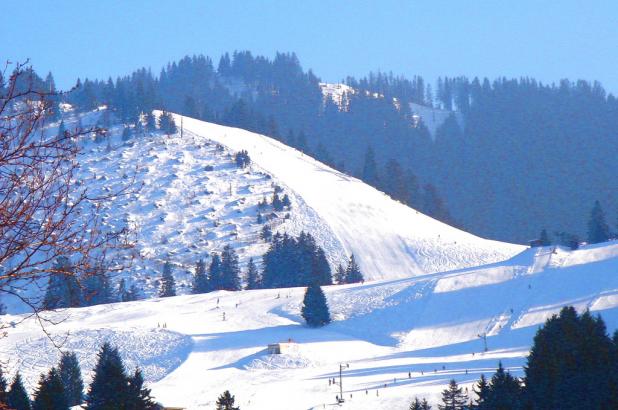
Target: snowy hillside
(190,199)
(401,338)
(389,239)
(431,117)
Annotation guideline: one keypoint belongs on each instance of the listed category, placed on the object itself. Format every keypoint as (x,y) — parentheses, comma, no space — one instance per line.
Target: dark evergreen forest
(516,157)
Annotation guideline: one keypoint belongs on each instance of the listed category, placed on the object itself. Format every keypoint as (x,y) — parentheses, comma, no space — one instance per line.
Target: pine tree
(481,389)
(370,169)
(167,123)
(340,276)
(17,397)
(420,405)
(286,201)
(425,405)
(214,272)
(63,290)
(504,392)
(226,402)
(230,272)
(277,203)
(138,397)
(97,289)
(253,276)
(123,294)
(168,284)
(109,386)
(598,230)
(266,234)
(315,308)
(50,394)
(200,280)
(352,272)
(453,397)
(544,238)
(70,374)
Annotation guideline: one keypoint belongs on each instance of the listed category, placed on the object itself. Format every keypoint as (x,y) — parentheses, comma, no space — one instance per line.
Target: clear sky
(545,39)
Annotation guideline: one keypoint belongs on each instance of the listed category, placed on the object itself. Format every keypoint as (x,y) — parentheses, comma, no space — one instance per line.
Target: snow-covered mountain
(191,199)
(401,338)
(389,239)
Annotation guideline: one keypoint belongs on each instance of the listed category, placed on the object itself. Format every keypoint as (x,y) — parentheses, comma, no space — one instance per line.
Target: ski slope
(389,239)
(401,338)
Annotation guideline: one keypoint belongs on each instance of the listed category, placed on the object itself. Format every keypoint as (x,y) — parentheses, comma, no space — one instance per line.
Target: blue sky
(546,39)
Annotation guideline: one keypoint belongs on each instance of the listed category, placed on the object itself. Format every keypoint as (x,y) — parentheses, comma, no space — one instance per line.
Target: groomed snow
(427,326)
(389,239)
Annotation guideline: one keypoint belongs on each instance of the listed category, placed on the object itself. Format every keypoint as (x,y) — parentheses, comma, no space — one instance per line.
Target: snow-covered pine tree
(200,280)
(230,272)
(253,276)
(352,272)
(71,376)
(17,397)
(315,308)
(226,402)
(168,284)
(50,394)
(453,397)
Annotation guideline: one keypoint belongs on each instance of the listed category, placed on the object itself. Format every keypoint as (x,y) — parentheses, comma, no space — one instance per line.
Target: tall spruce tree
(419,404)
(226,402)
(168,284)
(504,393)
(315,308)
(109,387)
(200,280)
(71,376)
(598,230)
(572,361)
(214,272)
(63,290)
(370,168)
(253,276)
(453,397)
(50,394)
(352,272)
(340,277)
(481,389)
(138,397)
(544,238)
(230,272)
(17,397)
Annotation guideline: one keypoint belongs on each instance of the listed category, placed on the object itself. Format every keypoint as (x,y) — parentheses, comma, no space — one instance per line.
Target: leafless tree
(45,213)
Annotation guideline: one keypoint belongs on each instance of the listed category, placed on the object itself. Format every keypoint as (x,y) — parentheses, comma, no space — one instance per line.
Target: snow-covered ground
(188,199)
(400,337)
(389,239)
